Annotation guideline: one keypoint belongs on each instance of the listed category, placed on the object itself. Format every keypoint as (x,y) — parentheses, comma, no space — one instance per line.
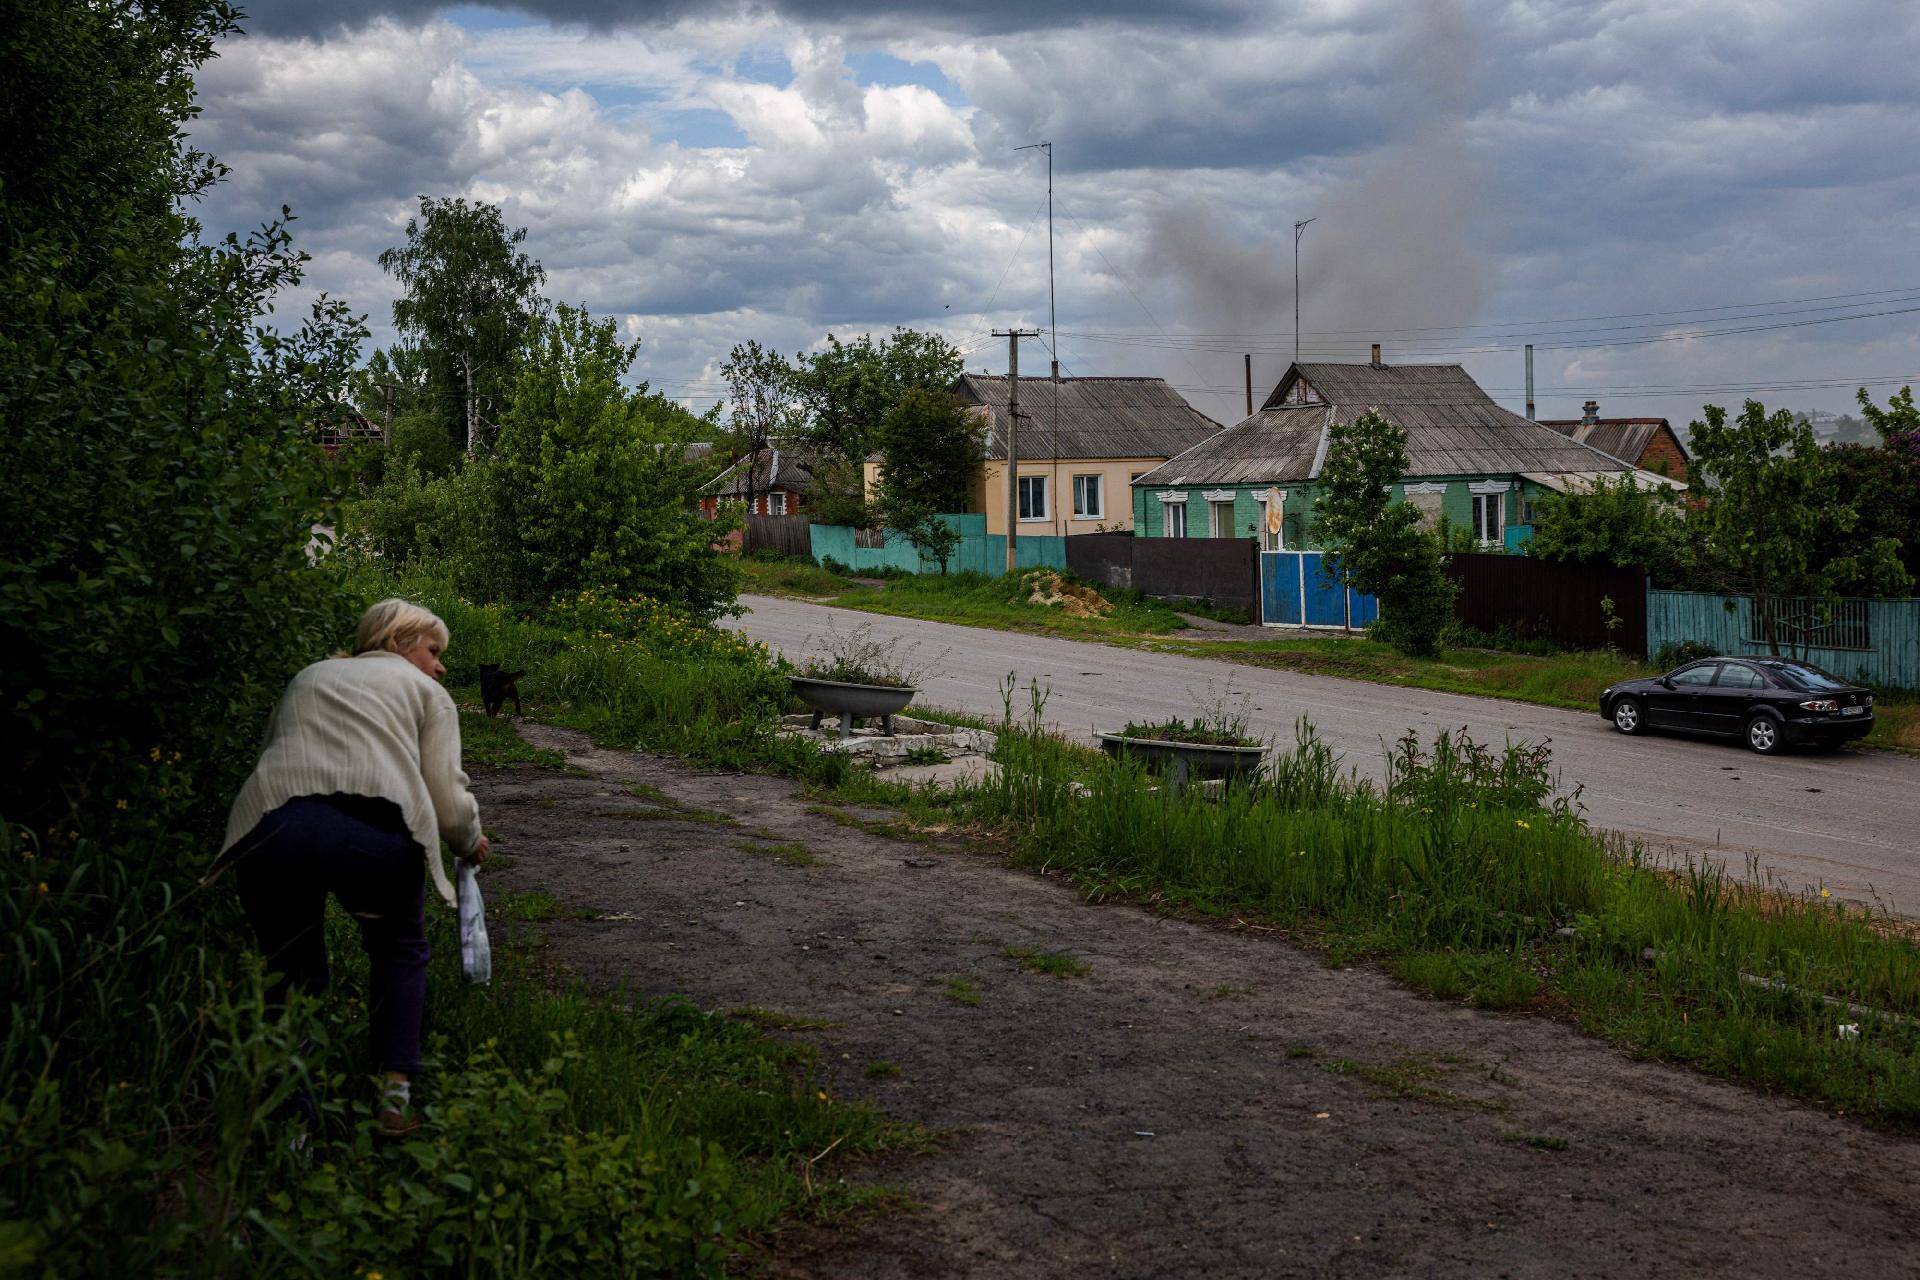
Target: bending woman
(359,782)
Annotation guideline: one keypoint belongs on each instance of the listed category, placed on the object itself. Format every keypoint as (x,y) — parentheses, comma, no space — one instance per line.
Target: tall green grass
(1470,879)
(143,1123)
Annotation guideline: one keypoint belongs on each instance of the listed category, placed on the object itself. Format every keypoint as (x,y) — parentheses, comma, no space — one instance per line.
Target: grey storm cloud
(979,17)
(1467,161)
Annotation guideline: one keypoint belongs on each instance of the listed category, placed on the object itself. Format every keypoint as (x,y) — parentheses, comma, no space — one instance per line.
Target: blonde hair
(394,625)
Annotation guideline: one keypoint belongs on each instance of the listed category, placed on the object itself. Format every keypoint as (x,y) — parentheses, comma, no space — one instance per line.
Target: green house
(1479,466)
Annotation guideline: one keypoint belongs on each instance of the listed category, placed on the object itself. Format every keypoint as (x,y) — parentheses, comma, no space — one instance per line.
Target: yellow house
(1082,442)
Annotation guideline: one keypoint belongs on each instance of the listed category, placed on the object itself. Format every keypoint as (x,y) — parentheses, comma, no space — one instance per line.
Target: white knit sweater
(370,725)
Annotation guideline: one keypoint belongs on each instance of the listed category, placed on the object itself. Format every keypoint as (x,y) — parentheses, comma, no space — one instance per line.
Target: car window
(1696,677)
(1799,675)
(1738,675)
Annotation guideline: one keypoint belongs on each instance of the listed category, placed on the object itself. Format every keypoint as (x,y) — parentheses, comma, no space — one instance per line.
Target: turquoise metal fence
(1886,656)
(978,552)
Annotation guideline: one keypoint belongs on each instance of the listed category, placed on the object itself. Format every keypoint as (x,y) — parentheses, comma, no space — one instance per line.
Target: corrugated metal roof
(1624,438)
(1453,428)
(781,465)
(1273,445)
(1094,417)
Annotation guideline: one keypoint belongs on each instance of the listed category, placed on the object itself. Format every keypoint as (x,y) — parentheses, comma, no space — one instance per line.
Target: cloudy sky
(1677,201)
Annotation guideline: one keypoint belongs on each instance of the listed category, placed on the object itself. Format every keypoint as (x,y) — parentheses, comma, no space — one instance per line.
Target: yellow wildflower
(1522,824)
(120,804)
(1826,893)
(154,755)
(43,887)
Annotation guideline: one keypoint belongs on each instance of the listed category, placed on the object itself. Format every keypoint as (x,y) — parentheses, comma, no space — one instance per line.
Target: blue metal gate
(1297,589)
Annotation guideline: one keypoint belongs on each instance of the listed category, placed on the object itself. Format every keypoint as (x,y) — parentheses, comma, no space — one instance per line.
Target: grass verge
(1569,680)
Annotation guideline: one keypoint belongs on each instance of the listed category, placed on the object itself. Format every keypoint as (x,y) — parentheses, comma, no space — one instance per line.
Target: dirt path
(1202,1102)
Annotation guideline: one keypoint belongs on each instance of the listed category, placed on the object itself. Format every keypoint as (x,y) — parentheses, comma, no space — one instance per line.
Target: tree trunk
(472,406)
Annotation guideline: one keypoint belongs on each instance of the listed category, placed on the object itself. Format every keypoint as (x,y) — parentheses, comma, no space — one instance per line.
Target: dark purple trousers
(358,850)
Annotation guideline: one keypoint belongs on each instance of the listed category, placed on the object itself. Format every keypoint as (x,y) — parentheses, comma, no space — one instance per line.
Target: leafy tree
(471,298)
(584,495)
(1617,522)
(156,592)
(1898,423)
(850,387)
(1375,543)
(765,404)
(930,447)
(838,493)
(1768,511)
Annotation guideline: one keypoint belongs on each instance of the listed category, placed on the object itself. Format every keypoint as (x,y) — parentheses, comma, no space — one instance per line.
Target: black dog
(496,686)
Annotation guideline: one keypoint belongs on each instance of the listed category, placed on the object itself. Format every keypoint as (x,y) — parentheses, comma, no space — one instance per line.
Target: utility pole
(1053,318)
(1529,382)
(1249,359)
(1013,337)
(1299,229)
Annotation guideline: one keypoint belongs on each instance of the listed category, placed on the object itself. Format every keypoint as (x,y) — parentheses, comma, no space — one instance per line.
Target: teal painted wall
(978,552)
(1456,504)
(1893,628)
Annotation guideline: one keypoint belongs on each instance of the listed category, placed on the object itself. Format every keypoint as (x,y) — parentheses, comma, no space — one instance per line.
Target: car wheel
(1629,716)
(1765,735)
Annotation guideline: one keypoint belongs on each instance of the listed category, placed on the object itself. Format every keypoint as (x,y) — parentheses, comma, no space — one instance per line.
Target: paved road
(1849,820)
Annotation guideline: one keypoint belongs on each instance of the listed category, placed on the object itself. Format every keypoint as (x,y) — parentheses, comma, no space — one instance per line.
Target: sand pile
(1045,587)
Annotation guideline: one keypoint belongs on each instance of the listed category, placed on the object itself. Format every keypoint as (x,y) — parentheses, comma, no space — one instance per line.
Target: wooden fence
(789,535)
(1876,642)
(1575,606)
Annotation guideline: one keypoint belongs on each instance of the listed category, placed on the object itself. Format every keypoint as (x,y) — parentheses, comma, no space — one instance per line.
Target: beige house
(1082,441)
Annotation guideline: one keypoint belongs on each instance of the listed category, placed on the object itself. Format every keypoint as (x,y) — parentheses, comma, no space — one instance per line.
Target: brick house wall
(1663,456)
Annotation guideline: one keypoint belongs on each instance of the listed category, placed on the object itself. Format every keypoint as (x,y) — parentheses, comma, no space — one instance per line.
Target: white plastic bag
(476,956)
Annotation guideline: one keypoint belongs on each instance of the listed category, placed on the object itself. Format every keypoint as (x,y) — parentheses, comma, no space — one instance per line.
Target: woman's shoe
(396,1124)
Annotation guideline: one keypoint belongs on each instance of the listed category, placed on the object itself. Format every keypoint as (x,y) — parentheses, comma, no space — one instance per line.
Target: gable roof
(1624,438)
(1453,428)
(1090,418)
(781,465)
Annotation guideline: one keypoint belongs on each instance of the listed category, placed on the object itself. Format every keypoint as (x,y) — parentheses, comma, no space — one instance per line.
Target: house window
(777,502)
(1220,519)
(1088,503)
(1273,533)
(1486,519)
(1033,497)
(1173,519)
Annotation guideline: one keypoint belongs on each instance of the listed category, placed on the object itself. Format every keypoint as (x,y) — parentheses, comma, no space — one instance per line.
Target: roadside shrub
(1675,653)
(497,1182)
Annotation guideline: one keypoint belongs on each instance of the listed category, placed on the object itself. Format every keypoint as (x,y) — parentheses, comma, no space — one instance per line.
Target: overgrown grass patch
(789,853)
(789,576)
(1057,964)
(1470,879)
(492,743)
(961,990)
(974,599)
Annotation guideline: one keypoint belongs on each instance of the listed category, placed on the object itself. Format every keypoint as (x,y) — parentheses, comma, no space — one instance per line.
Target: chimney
(1376,355)
(1590,413)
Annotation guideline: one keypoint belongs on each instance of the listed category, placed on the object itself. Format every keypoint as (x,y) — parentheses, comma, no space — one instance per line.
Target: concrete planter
(1184,760)
(836,697)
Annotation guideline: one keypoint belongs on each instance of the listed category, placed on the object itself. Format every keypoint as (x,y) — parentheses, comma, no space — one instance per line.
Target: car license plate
(1851,711)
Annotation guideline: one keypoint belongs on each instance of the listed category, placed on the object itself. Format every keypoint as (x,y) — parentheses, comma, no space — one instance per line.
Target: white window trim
(1483,488)
(1045,513)
(1173,496)
(1500,517)
(779,498)
(1213,517)
(1424,486)
(1219,495)
(1100,492)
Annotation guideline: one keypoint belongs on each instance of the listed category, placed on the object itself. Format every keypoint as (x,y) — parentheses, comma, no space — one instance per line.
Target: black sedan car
(1770,703)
